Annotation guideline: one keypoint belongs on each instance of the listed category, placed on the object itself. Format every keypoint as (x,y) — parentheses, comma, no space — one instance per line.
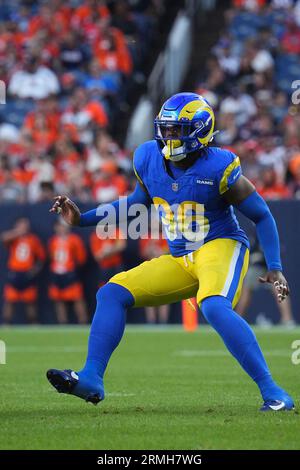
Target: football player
(195,188)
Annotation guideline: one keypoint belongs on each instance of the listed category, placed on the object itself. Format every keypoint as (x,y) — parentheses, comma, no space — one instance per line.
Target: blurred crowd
(250,77)
(68,66)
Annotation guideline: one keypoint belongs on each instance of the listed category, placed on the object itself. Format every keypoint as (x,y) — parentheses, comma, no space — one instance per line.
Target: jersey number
(22,252)
(186,218)
(61,255)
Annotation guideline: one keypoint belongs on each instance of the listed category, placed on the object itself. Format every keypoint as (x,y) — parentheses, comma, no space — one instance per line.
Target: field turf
(165,389)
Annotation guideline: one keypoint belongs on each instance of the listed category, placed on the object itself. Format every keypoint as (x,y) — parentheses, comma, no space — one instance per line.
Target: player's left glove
(279,282)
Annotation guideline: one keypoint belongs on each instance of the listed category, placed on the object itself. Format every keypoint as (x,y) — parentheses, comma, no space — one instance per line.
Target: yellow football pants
(216,268)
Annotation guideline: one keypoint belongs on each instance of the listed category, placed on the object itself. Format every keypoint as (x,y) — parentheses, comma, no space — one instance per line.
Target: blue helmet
(184,125)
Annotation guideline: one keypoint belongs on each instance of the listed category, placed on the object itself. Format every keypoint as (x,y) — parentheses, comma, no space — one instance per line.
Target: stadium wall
(285,212)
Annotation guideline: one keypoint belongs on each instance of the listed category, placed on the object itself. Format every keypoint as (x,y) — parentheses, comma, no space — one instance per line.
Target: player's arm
(244,197)
(10,235)
(72,215)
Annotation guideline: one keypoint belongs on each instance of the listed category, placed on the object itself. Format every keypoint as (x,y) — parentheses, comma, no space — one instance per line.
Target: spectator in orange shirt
(294,164)
(253,5)
(83,112)
(108,254)
(53,18)
(269,188)
(152,248)
(25,260)
(112,51)
(89,11)
(42,135)
(294,167)
(108,185)
(67,254)
(65,156)
(48,109)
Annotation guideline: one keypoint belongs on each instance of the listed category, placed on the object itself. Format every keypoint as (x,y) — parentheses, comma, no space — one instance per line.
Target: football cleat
(278,405)
(68,381)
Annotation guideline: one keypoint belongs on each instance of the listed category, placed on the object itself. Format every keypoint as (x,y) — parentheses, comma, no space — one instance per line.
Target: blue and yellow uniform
(209,250)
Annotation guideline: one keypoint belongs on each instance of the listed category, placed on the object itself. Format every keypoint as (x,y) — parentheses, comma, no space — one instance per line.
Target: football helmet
(184,125)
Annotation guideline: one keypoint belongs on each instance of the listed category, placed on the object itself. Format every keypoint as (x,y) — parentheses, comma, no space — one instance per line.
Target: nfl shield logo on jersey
(175,186)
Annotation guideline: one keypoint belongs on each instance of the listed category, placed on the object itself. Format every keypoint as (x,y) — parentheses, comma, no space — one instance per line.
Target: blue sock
(107,328)
(240,341)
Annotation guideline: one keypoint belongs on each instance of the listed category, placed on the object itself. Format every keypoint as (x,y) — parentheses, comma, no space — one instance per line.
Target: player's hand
(279,282)
(67,208)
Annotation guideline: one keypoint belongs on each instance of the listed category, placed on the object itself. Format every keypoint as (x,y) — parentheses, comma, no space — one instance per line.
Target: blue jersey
(191,207)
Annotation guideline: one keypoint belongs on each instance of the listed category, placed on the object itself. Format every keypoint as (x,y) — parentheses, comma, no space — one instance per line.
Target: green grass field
(165,389)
